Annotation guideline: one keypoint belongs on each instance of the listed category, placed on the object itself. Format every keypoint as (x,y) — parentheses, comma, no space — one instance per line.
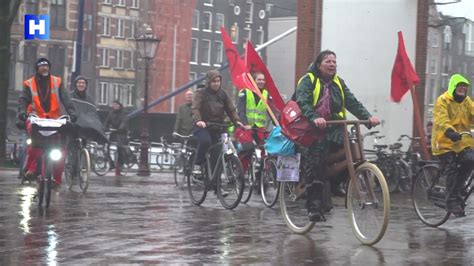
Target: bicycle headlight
(28,141)
(55,154)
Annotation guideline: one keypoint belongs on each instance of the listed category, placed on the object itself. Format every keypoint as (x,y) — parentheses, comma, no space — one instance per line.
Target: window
(194,51)
(29,59)
(220,22)
(105,26)
(192,77)
(234,33)
(135,3)
(88,22)
(86,53)
(195,20)
(57,14)
(121,3)
(105,57)
(107,2)
(117,89)
(31,7)
(103,93)
(464,68)
(205,52)
(120,28)
(249,12)
(208,2)
(468,30)
(248,34)
(132,29)
(206,21)
(57,55)
(132,60)
(128,95)
(448,36)
(119,59)
(218,50)
(433,64)
(260,36)
(434,39)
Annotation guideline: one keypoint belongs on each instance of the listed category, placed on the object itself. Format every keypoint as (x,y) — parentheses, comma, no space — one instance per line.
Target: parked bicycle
(182,158)
(226,178)
(429,192)
(368,207)
(166,157)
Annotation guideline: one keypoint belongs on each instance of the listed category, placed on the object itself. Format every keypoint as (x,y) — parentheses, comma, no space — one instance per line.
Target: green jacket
(304,98)
(184,120)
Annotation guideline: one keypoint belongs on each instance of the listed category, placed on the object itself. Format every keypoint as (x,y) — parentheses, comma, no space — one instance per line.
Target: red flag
(403,74)
(254,63)
(237,68)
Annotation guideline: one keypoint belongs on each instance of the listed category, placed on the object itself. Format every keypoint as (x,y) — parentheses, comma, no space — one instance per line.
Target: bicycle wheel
(391,174)
(165,160)
(428,196)
(293,207)
(230,183)
(249,180)
(84,169)
(41,188)
(177,168)
(68,171)
(369,215)
(100,164)
(269,186)
(405,176)
(197,182)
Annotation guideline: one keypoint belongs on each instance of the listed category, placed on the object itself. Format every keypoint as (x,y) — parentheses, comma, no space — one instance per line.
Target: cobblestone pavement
(149,220)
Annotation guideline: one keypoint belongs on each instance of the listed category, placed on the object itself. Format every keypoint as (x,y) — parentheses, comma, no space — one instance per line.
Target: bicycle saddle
(395,146)
(381,146)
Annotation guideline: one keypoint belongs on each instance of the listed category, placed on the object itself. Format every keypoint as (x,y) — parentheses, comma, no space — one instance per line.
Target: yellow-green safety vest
(256,114)
(317,90)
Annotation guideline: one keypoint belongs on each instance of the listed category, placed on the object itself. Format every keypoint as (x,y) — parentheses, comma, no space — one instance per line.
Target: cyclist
(322,95)
(88,124)
(453,113)
(117,121)
(211,104)
(253,114)
(43,94)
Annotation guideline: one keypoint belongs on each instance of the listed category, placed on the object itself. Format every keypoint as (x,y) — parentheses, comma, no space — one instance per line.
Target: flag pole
(419,123)
(259,94)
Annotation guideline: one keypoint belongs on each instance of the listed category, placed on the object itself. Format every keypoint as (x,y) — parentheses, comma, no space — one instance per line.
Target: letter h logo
(36,27)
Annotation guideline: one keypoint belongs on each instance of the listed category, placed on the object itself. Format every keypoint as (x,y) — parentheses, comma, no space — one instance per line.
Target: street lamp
(147,45)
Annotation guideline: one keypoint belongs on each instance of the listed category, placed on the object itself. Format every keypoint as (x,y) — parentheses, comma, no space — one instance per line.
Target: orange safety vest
(35,106)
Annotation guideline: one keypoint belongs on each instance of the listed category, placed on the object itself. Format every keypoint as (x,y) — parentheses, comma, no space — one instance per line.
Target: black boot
(314,202)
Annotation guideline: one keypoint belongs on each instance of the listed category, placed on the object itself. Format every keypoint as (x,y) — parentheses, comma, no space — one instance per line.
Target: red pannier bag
(298,128)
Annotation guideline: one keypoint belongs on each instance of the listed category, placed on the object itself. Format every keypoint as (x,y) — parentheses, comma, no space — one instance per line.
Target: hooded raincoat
(448,113)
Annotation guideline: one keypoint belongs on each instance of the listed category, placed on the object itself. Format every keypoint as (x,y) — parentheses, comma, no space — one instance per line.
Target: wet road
(149,220)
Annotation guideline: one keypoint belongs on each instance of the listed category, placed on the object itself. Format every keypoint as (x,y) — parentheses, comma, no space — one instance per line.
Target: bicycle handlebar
(350,122)
(408,137)
(177,135)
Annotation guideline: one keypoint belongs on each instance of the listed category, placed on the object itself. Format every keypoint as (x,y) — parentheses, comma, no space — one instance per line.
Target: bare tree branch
(14,11)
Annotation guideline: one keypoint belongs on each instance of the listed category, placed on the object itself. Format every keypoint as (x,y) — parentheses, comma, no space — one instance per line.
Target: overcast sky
(465,8)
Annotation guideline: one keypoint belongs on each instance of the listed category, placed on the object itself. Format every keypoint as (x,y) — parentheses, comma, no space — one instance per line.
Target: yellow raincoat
(448,113)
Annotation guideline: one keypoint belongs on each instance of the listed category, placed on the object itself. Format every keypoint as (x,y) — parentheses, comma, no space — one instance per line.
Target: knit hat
(43,61)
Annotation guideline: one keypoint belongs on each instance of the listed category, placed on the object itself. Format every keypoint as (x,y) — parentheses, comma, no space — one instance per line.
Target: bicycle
(46,135)
(182,158)
(98,153)
(165,159)
(410,164)
(362,199)
(78,164)
(387,163)
(429,192)
(227,177)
